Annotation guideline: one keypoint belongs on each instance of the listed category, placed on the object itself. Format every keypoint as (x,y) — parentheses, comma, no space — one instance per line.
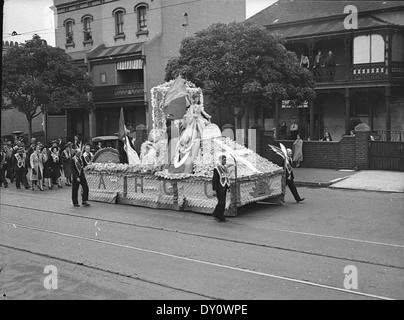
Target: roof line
(384,21)
(360,13)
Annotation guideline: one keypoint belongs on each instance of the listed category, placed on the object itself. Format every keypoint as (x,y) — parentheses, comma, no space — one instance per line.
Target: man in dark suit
(290,177)
(220,184)
(79,179)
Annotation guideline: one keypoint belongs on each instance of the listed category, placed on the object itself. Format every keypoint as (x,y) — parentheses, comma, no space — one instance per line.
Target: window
(368,49)
(118,14)
(88,36)
(397,48)
(68,24)
(141,15)
(119,22)
(103,78)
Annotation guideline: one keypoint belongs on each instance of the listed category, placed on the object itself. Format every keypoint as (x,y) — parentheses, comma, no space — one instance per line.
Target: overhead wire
(100,19)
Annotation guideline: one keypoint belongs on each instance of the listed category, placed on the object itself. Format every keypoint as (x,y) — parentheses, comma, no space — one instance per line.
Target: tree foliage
(37,78)
(241,65)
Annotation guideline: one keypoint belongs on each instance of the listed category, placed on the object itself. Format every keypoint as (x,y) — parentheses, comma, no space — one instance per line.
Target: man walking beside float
(79,178)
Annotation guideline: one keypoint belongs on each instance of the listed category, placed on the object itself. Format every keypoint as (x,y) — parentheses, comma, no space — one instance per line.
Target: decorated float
(175,170)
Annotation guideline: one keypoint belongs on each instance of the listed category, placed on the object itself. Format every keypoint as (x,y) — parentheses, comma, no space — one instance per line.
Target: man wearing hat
(67,156)
(20,168)
(3,163)
(79,178)
(290,176)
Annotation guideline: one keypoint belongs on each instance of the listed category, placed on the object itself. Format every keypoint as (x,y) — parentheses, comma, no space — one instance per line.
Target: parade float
(175,171)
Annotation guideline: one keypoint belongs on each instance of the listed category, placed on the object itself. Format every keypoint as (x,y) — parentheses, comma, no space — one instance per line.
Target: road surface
(293,251)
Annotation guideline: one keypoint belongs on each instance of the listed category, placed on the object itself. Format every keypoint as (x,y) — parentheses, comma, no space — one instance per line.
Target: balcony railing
(331,74)
(357,72)
(130,90)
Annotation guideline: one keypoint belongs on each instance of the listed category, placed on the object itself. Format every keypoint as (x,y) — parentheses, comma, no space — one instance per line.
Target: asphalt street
(293,251)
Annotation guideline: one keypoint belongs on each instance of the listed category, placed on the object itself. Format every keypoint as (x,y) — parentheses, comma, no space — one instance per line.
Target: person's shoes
(60,187)
(300,200)
(18,187)
(27,187)
(220,219)
(50,187)
(76,205)
(40,188)
(32,188)
(85,204)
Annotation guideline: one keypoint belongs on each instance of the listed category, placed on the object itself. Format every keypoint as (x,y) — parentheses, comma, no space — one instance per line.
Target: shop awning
(130,64)
(103,52)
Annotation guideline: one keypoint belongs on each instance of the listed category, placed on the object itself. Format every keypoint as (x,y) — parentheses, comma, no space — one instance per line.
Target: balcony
(358,72)
(123,91)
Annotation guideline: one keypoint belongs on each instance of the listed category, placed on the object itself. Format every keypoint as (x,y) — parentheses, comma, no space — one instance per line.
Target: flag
(122,127)
(133,158)
(177,90)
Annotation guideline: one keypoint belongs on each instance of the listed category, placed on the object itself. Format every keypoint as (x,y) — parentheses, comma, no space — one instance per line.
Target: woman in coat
(47,167)
(55,164)
(298,151)
(36,163)
(67,156)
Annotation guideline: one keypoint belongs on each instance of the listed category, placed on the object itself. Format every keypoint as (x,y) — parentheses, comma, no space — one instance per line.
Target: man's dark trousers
(75,190)
(291,184)
(21,177)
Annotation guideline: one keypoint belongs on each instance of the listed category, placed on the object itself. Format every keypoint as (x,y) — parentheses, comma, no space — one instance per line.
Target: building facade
(358,65)
(125,46)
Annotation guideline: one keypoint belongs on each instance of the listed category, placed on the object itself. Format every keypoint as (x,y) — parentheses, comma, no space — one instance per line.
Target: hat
(20,149)
(54,141)
(54,147)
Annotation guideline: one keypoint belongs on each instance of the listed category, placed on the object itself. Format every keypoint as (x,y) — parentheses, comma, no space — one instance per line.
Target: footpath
(369,180)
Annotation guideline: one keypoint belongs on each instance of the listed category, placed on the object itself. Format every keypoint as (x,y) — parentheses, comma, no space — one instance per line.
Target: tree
(241,65)
(37,78)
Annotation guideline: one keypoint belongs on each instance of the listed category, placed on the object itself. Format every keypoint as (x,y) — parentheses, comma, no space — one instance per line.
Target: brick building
(364,79)
(125,46)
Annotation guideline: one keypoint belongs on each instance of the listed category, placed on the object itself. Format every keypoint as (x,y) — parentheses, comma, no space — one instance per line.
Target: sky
(28,17)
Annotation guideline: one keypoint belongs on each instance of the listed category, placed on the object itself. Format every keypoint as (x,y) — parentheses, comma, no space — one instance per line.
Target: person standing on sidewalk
(67,156)
(294,130)
(298,154)
(220,184)
(20,168)
(10,162)
(36,162)
(3,160)
(56,165)
(290,177)
(79,178)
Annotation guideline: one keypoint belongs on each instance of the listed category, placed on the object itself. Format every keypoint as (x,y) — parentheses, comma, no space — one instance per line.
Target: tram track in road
(235,241)
(112,272)
(177,257)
